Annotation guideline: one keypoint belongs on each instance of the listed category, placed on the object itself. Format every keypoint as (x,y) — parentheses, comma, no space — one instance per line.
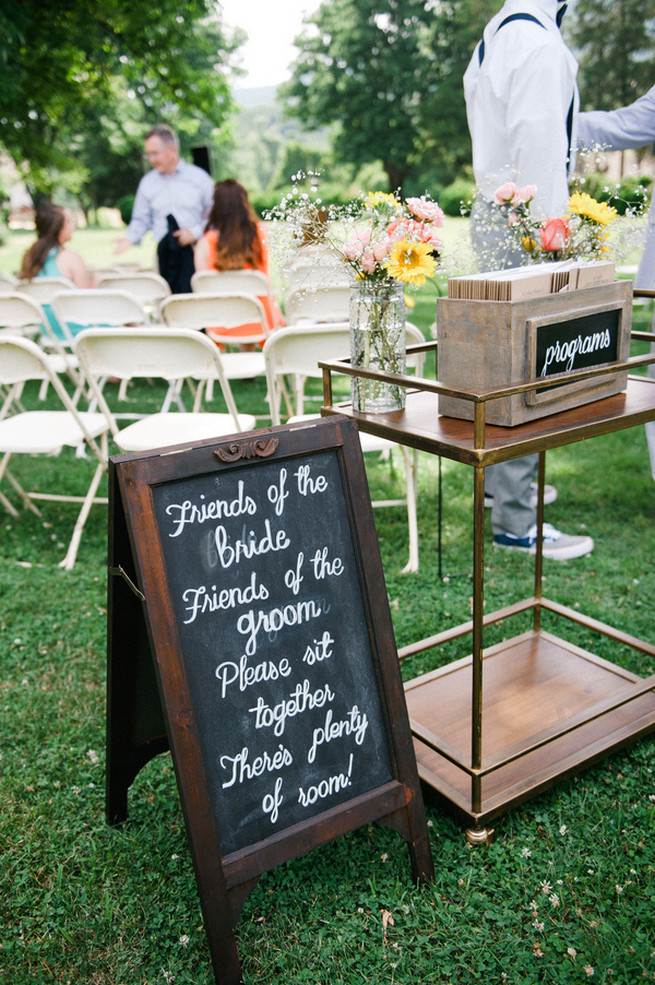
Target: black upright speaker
(201,158)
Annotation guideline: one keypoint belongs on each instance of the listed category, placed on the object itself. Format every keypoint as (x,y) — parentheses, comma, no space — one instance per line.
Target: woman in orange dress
(234,239)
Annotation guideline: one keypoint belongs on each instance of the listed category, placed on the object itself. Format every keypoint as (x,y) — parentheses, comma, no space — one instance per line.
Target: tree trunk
(395,175)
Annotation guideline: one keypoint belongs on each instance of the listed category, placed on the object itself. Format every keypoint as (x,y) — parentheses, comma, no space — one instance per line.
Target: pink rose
(426,211)
(357,244)
(524,195)
(554,234)
(368,263)
(505,194)
(352,251)
(382,249)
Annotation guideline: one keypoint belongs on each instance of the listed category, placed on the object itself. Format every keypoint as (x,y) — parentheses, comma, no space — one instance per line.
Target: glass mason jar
(377,341)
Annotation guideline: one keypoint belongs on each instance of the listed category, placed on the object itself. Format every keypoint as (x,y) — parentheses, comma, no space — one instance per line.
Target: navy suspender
(512,17)
(531,17)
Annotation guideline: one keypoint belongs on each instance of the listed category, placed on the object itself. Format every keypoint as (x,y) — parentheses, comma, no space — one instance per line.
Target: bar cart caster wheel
(479,836)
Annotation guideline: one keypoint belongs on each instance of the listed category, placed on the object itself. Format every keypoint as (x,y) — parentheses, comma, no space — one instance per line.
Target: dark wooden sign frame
(150,708)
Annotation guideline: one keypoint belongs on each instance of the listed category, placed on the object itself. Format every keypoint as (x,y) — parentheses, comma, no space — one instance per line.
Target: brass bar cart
(498,727)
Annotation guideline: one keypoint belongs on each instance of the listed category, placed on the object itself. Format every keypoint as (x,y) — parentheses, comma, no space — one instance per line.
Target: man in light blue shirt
(172,201)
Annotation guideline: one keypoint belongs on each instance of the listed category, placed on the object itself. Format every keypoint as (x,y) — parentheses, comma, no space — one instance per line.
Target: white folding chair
(158,353)
(98,307)
(7,283)
(150,288)
(43,289)
(314,266)
(46,432)
(327,303)
(297,351)
(203,312)
(252,282)
(216,312)
(21,315)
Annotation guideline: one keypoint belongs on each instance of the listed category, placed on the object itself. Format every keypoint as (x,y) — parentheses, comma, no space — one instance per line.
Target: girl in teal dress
(49,257)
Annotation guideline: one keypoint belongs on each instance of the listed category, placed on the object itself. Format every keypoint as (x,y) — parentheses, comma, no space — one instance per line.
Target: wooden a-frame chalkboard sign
(249,632)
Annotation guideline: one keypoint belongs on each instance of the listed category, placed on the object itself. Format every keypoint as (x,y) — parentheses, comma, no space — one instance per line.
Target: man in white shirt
(621,129)
(173,202)
(521,102)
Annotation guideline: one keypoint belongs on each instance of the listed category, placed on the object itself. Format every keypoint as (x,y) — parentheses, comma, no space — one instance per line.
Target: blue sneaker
(556,545)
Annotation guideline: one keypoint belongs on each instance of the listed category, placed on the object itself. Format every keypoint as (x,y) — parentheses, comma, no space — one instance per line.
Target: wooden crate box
(486,345)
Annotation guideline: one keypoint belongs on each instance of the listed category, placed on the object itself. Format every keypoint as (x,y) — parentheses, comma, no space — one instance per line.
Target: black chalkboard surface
(265,588)
(564,346)
(253,565)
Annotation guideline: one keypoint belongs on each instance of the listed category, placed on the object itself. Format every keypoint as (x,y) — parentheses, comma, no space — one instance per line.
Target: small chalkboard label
(252,567)
(578,343)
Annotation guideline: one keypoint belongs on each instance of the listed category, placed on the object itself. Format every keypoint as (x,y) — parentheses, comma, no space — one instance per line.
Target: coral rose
(554,235)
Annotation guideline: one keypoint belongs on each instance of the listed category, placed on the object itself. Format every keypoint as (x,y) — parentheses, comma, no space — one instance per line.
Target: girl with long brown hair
(235,239)
(49,256)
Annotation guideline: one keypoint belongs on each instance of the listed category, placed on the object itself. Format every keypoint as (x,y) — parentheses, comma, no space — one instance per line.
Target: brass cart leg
(480,836)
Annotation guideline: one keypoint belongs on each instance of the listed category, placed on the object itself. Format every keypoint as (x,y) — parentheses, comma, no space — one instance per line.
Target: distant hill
(256,96)
(262,134)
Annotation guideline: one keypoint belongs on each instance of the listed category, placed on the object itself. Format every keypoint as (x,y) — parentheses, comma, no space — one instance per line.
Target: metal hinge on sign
(123,574)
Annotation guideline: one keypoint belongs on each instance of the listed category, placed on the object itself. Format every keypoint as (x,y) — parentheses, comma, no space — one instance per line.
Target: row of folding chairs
(171,354)
(21,313)
(325,302)
(313,302)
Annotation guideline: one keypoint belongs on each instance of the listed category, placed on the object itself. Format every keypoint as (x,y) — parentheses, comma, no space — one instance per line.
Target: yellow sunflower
(411,263)
(381,198)
(588,208)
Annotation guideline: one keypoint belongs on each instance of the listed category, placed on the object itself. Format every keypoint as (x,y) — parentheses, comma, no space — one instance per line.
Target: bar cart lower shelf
(509,721)
(550,708)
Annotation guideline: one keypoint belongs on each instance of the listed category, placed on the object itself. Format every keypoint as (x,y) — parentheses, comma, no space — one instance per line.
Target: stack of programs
(535,281)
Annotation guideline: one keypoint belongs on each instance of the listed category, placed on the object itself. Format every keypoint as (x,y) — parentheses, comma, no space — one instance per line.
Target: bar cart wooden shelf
(508,721)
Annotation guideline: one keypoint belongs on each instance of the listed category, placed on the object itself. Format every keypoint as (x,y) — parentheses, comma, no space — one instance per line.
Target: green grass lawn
(565,894)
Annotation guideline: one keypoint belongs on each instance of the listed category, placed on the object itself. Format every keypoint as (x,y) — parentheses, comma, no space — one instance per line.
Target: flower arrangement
(378,236)
(387,245)
(581,234)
